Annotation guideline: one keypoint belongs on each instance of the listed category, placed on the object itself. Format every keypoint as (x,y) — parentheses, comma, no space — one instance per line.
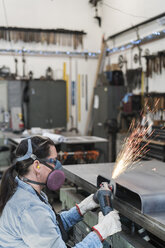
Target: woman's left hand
(86,205)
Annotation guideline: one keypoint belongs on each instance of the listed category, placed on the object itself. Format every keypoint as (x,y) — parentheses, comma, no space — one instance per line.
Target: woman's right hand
(108,225)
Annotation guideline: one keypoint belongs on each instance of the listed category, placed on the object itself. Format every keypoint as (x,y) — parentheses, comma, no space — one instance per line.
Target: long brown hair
(40,146)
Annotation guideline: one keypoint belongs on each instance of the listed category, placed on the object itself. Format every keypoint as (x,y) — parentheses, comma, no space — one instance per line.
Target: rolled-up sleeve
(90,241)
(70,218)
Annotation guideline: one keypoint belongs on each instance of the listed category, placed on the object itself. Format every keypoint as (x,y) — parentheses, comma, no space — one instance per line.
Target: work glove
(86,205)
(108,225)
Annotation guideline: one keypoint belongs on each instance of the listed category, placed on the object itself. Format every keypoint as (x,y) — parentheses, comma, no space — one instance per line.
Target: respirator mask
(55,178)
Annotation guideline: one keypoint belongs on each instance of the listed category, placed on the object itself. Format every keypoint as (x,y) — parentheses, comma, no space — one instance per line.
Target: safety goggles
(55,162)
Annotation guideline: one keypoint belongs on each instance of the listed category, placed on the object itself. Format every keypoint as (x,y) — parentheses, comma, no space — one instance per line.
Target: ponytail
(7,187)
(8,184)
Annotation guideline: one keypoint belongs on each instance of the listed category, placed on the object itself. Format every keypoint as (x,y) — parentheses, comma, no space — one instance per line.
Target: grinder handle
(103,197)
(105,201)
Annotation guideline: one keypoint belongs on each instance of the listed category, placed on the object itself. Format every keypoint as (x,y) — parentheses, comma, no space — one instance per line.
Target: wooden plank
(100,67)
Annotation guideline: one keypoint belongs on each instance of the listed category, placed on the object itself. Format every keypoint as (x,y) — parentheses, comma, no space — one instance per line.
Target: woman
(27,219)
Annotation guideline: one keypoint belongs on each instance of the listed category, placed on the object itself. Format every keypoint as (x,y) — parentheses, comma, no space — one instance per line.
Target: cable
(5,13)
(6,20)
(106,4)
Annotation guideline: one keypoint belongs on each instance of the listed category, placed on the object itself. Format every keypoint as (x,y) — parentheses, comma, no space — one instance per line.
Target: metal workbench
(69,138)
(70,143)
(146,182)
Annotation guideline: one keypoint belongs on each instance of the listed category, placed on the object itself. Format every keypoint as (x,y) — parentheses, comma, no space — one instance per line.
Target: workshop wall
(122,14)
(78,15)
(156,82)
(132,13)
(54,15)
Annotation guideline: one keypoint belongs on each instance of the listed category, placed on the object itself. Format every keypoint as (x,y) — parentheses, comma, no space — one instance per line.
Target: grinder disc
(113,185)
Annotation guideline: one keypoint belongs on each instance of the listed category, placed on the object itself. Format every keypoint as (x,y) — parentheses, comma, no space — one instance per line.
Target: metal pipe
(136,26)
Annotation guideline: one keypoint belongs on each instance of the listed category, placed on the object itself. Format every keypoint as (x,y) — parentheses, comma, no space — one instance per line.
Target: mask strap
(29,153)
(26,180)
(46,164)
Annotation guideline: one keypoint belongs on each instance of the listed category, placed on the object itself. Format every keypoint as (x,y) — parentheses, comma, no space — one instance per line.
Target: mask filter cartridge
(55,180)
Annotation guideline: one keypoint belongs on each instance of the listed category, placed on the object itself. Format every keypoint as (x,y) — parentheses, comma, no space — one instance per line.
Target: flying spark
(133,150)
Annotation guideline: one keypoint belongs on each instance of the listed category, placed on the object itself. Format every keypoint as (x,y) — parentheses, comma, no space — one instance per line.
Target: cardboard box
(112,67)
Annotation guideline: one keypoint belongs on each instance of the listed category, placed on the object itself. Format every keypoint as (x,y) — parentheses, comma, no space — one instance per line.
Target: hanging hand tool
(73,93)
(82,86)
(103,196)
(23,61)
(16,67)
(98,18)
(79,97)
(86,92)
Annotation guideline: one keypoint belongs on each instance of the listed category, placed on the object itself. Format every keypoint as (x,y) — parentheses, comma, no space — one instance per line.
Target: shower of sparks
(132,150)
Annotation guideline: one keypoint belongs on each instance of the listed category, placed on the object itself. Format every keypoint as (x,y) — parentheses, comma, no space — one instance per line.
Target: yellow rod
(142,89)
(64,71)
(67,98)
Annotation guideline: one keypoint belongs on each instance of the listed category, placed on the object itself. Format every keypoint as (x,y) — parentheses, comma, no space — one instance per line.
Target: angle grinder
(104,196)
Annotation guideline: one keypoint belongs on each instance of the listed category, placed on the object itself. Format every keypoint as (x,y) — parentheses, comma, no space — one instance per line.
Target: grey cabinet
(15,93)
(11,103)
(46,104)
(11,94)
(106,107)
(106,110)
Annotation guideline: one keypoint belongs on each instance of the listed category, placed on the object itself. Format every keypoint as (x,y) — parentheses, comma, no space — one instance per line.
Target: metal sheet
(85,175)
(146,180)
(84,139)
(73,140)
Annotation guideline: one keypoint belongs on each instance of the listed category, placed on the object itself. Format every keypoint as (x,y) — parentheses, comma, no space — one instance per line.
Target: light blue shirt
(26,221)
